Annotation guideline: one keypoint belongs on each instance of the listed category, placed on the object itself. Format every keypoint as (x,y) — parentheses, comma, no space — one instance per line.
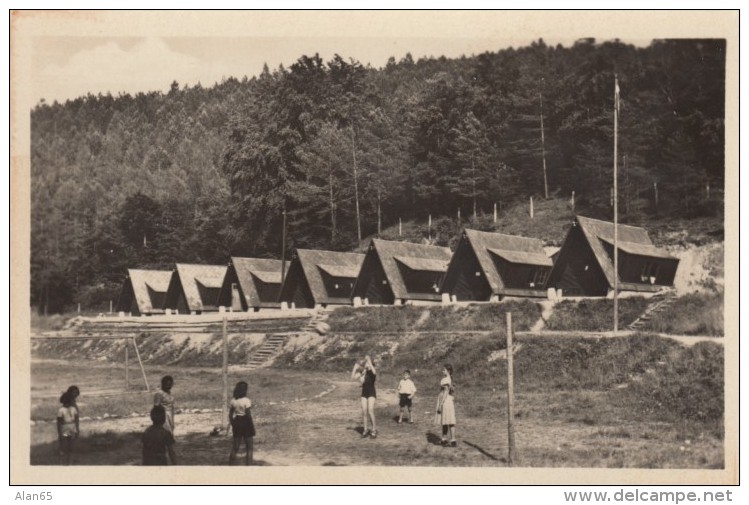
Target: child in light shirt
(406,392)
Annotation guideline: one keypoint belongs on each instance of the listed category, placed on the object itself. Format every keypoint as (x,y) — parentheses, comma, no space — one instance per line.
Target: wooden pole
(225,376)
(495,212)
(510,394)
(400,227)
(616,207)
(127,366)
(140,362)
(110,306)
(356,187)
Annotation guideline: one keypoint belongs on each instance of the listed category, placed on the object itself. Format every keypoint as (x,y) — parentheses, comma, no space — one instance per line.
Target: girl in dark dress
(365,372)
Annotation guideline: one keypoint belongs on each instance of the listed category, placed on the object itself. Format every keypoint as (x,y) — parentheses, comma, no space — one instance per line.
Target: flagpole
(616,207)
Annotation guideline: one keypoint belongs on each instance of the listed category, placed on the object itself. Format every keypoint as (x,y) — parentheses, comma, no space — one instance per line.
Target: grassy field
(642,402)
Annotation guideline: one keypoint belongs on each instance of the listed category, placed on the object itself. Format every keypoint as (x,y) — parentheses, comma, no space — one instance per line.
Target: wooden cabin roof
(267,270)
(141,280)
(631,239)
(419,257)
(522,257)
(210,276)
(337,264)
(519,250)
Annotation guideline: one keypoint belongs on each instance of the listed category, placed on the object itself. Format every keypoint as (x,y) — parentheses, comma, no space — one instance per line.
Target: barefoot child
(164,398)
(67,425)
(242,426)
(406,392)
(364,371)
(158,442)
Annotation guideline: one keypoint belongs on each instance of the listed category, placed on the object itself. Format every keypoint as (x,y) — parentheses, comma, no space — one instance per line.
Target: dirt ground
(570,429)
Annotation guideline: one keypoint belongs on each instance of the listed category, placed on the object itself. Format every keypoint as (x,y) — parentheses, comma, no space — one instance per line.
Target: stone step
(272,345)
(651,310)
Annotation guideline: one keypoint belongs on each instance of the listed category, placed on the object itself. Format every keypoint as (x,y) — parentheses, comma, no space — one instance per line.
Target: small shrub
(692,314)
(594,315)
(479,317)
(47,323)
(98,296)
(690,384)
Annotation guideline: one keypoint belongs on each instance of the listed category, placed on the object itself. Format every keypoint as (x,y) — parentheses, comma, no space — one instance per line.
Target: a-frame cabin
(251,284)
(320,278)
(194,289)
(490,266)
(401,272)
(143,292)
(585,263)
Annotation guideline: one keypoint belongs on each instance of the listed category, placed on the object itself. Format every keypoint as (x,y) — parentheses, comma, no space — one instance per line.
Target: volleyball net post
(57,337)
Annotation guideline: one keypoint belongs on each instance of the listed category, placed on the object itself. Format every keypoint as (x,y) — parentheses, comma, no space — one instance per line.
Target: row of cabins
(484,267)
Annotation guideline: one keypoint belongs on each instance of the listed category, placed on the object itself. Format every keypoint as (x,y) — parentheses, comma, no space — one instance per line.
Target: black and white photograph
(374,247)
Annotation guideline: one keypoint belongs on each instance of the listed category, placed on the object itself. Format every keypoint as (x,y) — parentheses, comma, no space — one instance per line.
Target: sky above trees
(141,52)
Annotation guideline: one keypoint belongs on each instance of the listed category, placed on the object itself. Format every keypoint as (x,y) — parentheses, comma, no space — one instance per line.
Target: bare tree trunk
(379,215)
(473,181)
(626,186)
(332,208)
(543,147)
(356,187)
(283,246)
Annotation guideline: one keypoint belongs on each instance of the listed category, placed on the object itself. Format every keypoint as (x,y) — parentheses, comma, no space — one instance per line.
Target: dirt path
(326,431)
(547,308)
(687,340)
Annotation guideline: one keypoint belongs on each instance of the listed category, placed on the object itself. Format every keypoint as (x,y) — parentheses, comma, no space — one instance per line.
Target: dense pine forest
(201,173)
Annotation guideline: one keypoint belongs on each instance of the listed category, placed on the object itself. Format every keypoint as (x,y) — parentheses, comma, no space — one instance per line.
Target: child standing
(364,371)
(406,392)
(242,426)
(446,406)
(158,442)
(164,398)
(68,427)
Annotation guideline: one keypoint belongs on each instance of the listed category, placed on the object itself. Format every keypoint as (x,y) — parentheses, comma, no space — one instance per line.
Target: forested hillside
(198,174)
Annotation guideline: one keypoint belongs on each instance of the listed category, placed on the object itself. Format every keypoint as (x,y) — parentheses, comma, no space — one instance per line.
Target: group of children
(158,439)
(364,371)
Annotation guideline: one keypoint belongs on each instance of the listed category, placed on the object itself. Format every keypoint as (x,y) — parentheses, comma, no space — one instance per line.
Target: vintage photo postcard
(374,247)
